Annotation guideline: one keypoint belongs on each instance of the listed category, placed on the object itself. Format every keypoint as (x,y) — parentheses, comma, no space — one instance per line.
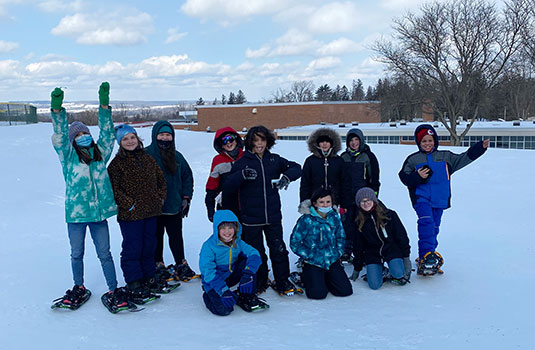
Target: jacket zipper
(379,236)
(325,166)
(264,186)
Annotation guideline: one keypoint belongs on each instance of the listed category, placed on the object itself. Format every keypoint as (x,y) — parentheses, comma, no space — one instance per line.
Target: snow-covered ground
(484,299)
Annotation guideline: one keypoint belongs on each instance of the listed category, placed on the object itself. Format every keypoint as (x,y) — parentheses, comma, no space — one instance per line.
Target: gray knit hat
(365,192)
(75,129)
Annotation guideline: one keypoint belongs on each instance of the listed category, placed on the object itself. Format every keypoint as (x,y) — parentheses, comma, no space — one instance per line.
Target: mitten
(355,275)
(185,207)
(247,282)
(283,183)
(229,299)
(104,93)
(249,174)
(56,98)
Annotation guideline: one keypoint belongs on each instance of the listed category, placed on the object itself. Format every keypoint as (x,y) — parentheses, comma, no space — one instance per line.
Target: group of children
(342,218)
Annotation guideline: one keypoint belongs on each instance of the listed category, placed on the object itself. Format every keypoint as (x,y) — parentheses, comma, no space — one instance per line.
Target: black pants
(172,224)
(278,253)
(318,282)
(350,227)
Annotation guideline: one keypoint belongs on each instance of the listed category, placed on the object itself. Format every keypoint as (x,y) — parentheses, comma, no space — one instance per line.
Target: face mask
(325,210)
(84,140)
(164,144)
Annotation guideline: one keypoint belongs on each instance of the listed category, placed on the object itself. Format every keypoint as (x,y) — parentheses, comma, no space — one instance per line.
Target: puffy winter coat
(138,185)
(88,191)
(436,189)
(259,201)
(321,171)
(319,241)
(375,246)
(179,184)
(361,165)
(220,168)
(217,260)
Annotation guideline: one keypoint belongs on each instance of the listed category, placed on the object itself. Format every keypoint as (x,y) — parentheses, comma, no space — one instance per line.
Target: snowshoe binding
(139,293)
(286,288)
(251,302)
(159,285)
(347,258)
(386,275)
(295,278)
(181,272)
(430,264)
(73,298)
(117,301)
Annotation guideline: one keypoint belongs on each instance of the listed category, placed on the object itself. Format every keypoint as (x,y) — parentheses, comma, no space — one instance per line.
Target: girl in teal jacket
(89,197)
(318,239)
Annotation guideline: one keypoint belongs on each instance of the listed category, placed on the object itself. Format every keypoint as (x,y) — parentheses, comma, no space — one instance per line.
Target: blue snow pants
(428,227)
(139,243)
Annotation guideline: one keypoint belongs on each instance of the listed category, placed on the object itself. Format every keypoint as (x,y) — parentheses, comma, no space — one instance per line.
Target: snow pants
(172,224)
(374,272)
(139,243)
(101,239)
(428,227)
(319,282)
(278,253)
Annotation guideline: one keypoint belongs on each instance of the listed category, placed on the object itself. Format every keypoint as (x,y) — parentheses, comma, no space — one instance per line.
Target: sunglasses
(228,139)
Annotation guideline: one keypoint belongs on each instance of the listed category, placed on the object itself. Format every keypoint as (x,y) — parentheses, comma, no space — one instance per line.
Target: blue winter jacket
(320,242)
(435,190)
(217,260)
(179,184)
(259,200)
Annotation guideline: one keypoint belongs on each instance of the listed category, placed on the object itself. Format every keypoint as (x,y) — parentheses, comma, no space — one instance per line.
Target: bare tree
(302,90)
(281,96)
(455,52)
(146,113)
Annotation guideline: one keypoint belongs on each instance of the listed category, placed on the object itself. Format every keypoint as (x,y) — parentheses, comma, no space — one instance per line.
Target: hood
(312,141)
(218,145)
(156,128)
(224,216)
(306,208)
(356,132)
(435,136)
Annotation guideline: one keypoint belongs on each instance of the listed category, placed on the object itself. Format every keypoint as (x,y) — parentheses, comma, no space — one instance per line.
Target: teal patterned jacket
(318,241)
(88,192)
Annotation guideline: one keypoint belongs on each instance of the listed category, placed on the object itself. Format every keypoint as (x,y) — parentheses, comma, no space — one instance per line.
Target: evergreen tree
(344,94)
(223,99)
(324,93)
(240,98)
(357,92)
(370,94)
(231,98)
(200,102)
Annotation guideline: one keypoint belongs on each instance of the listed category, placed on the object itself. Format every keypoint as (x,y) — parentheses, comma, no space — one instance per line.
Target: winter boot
(139,293)
(429,264)
(285,287)
(117,300)
(159,285)
(182,272)
(73,298)
(296,278)
(251,303)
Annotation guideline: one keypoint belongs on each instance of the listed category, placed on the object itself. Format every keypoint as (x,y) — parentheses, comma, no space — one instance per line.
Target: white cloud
(324,63)
(226,11)
(173,34)
(401,5)
(261,52)
(339,47)
(176,65)
(62,6)
(8,46)
(127,27)
(293,43)
(335,17)
(9,69)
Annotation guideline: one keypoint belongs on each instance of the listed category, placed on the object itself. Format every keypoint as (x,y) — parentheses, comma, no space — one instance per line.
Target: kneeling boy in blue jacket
(225,260)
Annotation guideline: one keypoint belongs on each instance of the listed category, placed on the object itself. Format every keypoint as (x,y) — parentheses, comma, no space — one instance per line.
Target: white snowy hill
(483,301)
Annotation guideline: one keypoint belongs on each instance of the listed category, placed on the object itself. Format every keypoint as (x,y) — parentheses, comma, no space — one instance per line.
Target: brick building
(282,115)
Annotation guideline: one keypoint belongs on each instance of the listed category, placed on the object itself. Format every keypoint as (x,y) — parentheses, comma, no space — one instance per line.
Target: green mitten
(104,93)
(56,98)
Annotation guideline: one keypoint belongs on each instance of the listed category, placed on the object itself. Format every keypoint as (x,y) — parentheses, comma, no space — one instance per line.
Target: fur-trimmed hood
(333,135)
(304,207)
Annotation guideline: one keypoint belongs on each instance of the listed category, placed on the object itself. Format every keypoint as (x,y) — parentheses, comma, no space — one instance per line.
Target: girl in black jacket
(381,237)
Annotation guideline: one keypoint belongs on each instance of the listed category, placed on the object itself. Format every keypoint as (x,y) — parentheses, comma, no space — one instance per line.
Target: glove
(408,267)
(56,98)
(229,299)
(355,275)
(247,282)
(221,168)
(249,174)
(209,201)
(283,183)
(185,207)
(104,93)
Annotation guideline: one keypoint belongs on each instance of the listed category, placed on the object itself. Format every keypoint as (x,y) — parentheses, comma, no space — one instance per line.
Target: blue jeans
(428,227)
(101,240)
(374,272)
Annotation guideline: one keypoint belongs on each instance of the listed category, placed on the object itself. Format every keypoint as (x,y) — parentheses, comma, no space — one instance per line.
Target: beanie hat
(75,129)
(228,223)
(165,128)
(365,192)
(323,138)
(123,130)
(421,133)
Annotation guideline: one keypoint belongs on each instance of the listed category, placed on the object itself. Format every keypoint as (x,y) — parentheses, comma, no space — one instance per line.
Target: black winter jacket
(375,246)
(259,201)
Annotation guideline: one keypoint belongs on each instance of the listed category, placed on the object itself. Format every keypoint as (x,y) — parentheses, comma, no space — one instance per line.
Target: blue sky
(180,50)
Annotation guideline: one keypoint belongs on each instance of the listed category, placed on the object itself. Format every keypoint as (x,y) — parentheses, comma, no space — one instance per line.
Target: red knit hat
(420,134)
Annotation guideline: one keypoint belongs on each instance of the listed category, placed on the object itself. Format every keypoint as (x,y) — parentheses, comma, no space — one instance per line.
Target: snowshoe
(295,278)
(139,293)
(117,301)
(182,272)
(251,302)
(347,258)
(386,275)
(286,288)
(430,264)
(262,287)
(159,285)
(399,281)
(73,298)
